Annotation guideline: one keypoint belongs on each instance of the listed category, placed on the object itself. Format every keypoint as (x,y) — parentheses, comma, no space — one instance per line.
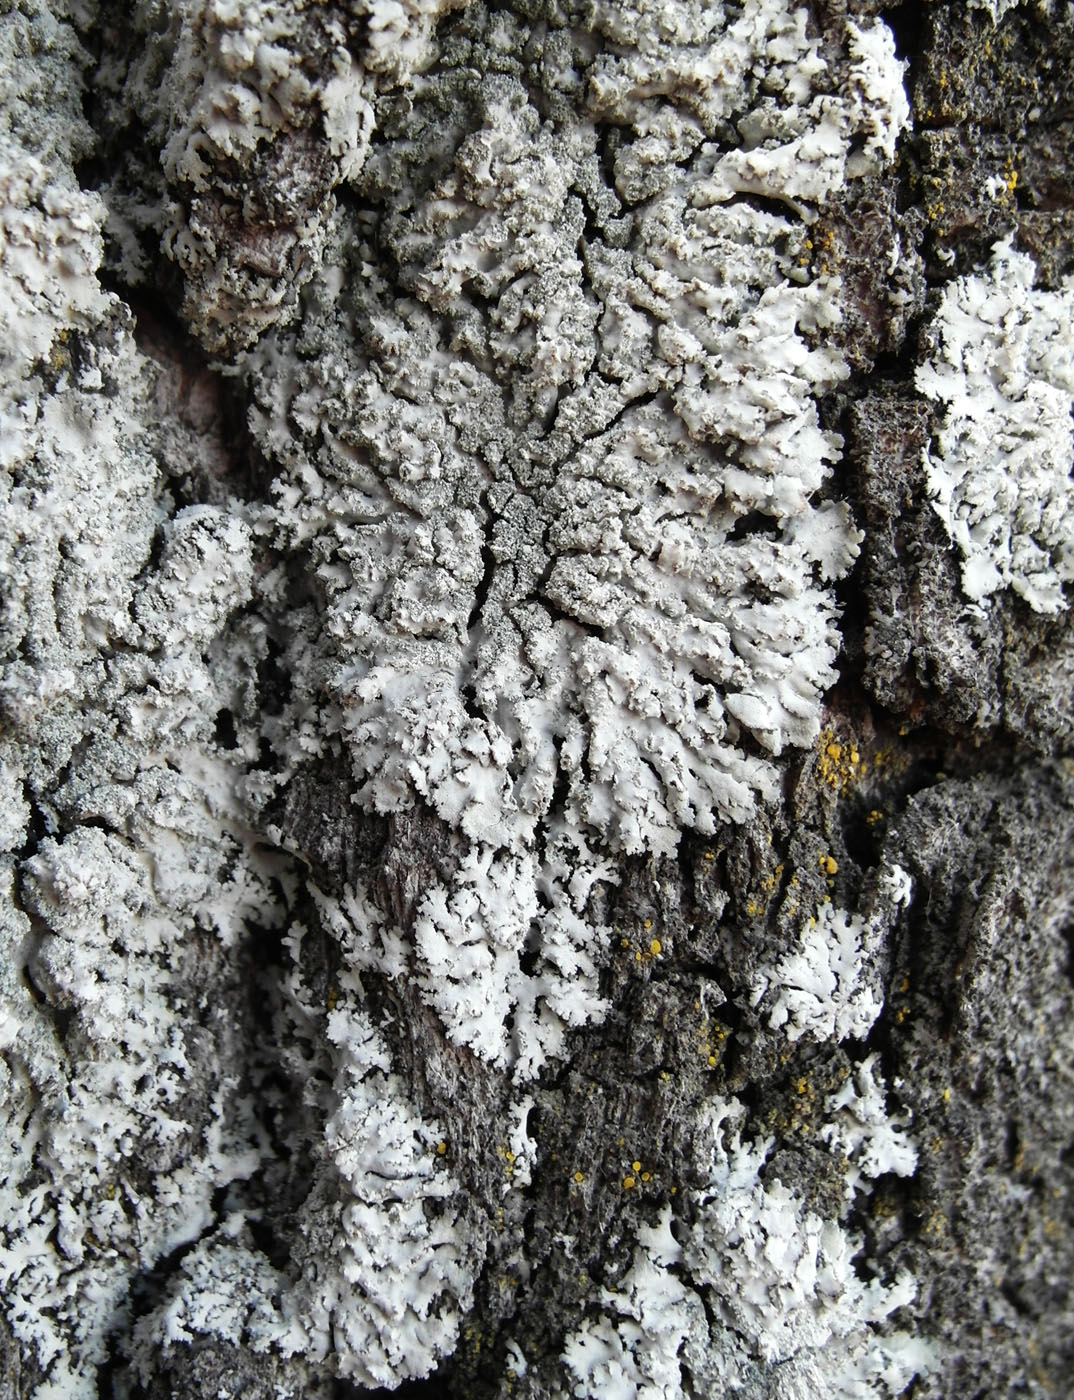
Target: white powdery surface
(1000,473)
(548,439)
(793,1314)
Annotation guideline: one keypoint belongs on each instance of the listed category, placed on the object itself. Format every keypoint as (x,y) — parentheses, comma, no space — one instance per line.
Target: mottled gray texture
(531,865)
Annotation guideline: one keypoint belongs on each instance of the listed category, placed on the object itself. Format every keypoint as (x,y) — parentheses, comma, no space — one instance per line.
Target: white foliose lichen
(549,437)
(651,1323)
(998,9)
(791,1313)
(548,434)
(108,693)
(822,988)
(224,1290)
(861,1130)
(796,1317)
(258,110)
(130,882)
(1000,470)
(830,987)
(384,1301)
(470,939)
(382,1265)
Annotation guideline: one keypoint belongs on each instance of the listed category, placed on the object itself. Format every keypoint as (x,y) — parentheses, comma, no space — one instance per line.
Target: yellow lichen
(839,763)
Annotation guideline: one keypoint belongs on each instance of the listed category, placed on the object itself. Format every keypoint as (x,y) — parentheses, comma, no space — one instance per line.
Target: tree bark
(537,803)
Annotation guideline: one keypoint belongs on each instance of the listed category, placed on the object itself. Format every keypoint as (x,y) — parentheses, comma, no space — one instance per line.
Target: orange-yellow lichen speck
(655,947)
(839,764)
(628,1183)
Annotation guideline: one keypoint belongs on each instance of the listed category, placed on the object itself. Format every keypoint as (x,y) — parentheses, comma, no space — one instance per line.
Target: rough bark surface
(537,811)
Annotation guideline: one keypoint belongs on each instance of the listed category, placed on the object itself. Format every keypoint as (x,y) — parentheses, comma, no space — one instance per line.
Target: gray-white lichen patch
(1000,470)
(123,914)
(547,439)
(800,1320)
(382,1268)
(126,1090)
(828,988)
(256,112)
(548,547)
(562,493)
